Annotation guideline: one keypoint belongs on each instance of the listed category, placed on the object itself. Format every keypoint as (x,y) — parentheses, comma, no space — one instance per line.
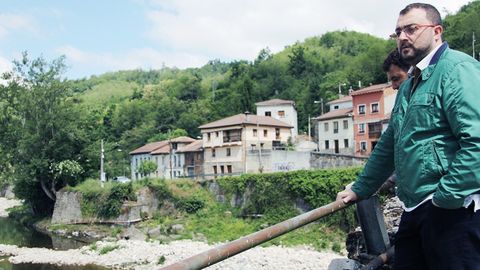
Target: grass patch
(107,249)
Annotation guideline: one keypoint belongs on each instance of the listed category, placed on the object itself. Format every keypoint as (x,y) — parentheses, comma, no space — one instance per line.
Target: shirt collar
(423,64)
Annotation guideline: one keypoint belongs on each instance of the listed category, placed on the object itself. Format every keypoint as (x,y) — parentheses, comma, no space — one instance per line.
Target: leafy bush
(190,204)
(274,194)
(118,194)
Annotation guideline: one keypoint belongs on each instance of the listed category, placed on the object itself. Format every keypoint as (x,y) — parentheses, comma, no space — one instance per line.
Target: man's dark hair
(432,13)
(394,58)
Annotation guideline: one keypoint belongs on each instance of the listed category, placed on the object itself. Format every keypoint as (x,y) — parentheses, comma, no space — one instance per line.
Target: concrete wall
(277,161)
(327,161)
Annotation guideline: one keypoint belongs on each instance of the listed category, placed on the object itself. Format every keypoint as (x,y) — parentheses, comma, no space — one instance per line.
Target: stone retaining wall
(327,161)
(68,209)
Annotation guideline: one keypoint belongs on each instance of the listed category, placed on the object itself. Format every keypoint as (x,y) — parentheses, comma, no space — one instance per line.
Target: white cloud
(132,59)
(14,22)
(188,33)
(239,29)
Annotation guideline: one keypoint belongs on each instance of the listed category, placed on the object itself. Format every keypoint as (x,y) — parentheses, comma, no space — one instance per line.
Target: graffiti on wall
(283,166)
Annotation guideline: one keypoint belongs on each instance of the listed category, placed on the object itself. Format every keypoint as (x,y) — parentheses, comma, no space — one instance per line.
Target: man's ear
(438,30)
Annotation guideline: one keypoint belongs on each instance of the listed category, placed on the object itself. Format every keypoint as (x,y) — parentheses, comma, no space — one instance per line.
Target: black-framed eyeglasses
(409,29)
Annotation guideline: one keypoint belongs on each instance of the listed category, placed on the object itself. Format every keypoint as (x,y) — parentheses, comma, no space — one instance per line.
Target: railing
(227,250)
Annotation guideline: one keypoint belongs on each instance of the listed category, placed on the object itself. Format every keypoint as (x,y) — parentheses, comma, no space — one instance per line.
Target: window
(229,152)
(374,107)
(335,127)
(361,128)
(222,169)
(265,133)
(325,127)
(233,135)
(213,152)
(327,144)
(208,136)
(335,107)
(363,146)
(254,132)
(281,114)
(216,134)
(345,143)
(229,168)
(361,109)
(214,169)
(345,124)
(277,133)
(268,113)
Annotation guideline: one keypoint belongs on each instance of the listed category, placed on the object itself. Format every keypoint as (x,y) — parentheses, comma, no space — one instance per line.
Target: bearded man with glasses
(433,144)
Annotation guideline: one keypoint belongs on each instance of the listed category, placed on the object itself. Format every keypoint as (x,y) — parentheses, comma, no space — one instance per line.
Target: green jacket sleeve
(461,103)
(379,166)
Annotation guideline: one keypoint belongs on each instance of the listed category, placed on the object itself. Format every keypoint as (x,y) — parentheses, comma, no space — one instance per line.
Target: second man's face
(396,75)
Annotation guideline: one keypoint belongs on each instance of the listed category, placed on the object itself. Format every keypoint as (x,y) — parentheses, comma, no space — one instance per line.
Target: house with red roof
(371,111)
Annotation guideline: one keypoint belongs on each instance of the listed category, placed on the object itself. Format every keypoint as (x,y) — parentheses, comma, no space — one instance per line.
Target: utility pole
(102,156)
(309,128)
(340,89)
(259,148)
(170,153)
(473,44)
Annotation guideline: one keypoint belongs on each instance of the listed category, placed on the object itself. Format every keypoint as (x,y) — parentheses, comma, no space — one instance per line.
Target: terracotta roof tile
(160,147)
(340,100)
(195,146)
(371,89)
(336,114)
(276,101)
(149,147)
(251,119)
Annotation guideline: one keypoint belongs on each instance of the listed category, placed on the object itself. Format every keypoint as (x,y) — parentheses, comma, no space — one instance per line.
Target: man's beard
(413,55)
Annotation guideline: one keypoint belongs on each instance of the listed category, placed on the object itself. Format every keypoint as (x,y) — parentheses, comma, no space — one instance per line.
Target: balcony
(374,130)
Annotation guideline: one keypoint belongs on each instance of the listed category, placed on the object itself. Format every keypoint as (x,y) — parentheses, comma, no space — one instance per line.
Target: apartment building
(236,144)
(372,107)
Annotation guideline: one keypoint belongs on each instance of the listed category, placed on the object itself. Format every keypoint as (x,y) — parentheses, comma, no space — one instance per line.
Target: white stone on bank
(142,255)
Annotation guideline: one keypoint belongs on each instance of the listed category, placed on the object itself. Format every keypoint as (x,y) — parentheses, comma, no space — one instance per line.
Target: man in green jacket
(433,144)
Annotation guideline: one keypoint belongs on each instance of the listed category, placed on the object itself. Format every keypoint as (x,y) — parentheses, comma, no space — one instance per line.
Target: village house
(371,111)
(193,156)
(238,144)
(167,155)
(283,110)
(335,128)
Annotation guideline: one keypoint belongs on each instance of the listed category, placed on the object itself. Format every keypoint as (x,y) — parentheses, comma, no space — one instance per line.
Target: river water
(14,233)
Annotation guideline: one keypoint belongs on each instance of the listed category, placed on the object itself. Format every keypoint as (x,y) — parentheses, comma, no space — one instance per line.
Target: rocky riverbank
(141,255)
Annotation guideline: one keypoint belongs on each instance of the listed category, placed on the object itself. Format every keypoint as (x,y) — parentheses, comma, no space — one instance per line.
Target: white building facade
(283,110)
(335,128)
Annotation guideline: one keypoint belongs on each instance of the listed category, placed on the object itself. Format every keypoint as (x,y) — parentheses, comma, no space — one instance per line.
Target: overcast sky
(107,35)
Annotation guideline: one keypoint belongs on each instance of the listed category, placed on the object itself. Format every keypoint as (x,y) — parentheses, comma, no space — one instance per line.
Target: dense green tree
(147,167)
(460,28)
(41,125)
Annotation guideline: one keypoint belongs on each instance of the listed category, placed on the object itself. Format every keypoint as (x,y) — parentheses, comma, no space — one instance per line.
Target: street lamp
(340,88)
(123,161)
(321,104)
